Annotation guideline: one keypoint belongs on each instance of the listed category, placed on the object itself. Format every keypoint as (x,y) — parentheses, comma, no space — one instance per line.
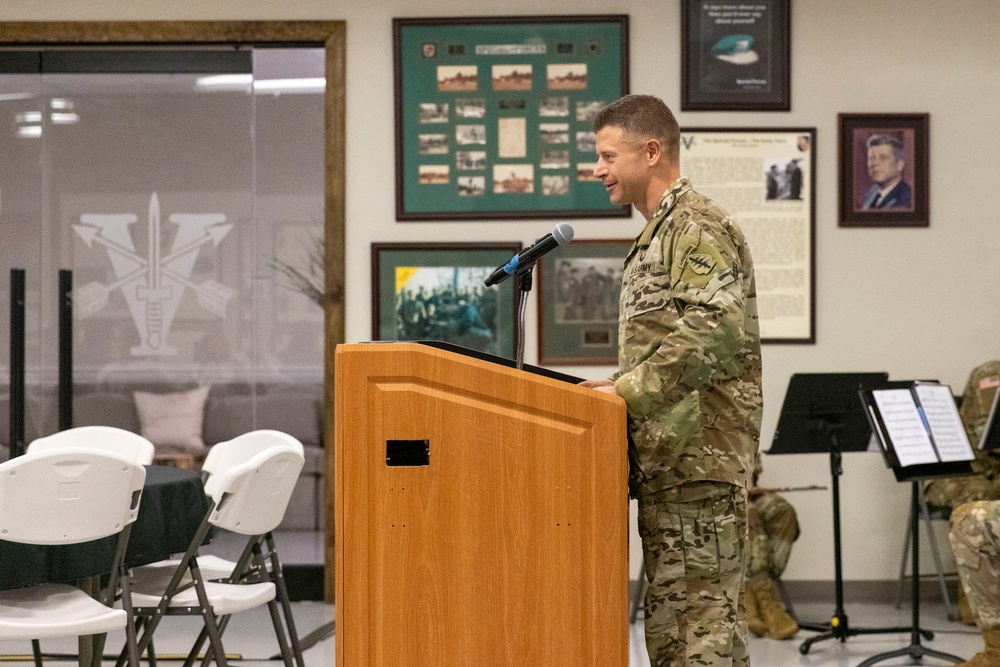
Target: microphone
(524,260)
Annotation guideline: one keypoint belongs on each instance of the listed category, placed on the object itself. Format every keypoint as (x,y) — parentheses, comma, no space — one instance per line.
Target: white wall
(913,302)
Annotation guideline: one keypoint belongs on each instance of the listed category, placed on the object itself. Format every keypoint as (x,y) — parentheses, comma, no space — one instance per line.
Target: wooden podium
(481,514)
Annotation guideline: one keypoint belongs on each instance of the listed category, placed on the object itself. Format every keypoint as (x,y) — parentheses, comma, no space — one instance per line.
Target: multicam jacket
(689,347)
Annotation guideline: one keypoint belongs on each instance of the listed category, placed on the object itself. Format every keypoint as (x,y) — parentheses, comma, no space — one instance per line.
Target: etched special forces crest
(153,284)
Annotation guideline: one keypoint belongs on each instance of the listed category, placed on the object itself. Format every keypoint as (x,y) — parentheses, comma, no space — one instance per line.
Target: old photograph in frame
(766,179)
(435,291)
(735,56)
(884,167)
(578,288)
(494,115)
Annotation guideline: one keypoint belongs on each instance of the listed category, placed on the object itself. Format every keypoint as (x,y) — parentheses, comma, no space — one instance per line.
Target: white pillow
(172,420)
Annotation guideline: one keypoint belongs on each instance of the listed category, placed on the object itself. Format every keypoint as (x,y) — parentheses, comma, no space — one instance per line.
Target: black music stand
(912,474)
(822,413)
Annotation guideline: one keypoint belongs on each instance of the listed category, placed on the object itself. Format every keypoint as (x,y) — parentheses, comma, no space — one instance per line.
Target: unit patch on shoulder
(701,263)
(698,263)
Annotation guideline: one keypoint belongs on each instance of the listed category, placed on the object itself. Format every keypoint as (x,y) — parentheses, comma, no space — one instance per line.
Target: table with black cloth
(173,505)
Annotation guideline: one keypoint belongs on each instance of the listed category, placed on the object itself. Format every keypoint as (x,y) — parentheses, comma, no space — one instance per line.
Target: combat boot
(755,623)
(989,656)
(780,625)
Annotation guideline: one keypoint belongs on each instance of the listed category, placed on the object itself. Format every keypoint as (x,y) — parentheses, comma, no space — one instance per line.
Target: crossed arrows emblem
(153,284)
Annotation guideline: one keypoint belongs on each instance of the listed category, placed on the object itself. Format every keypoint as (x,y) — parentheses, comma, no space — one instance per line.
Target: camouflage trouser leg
(694,540)
(781,527)
(975,538)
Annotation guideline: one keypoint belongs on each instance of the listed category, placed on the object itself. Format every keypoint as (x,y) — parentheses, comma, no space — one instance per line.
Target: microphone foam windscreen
(563,233)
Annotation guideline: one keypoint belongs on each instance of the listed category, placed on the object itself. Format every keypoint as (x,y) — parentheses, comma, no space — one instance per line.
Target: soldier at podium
(690,375)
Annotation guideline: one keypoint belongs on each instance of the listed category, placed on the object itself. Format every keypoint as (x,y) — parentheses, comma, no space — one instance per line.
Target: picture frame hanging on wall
(494,115)
(765,178)
(884,170)
(435,291)
(735,57)
(578,290)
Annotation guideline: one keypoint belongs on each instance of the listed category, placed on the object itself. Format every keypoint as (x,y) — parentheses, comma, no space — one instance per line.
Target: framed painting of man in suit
(884,170)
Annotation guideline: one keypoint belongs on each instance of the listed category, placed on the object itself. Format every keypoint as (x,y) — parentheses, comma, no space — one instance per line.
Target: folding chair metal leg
(278,576)
(214,636)
(279,632)
(935,553)
(200,642)
(36,651)
(131,640)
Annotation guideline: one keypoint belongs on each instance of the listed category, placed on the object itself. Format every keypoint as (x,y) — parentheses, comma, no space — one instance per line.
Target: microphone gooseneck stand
(524,287)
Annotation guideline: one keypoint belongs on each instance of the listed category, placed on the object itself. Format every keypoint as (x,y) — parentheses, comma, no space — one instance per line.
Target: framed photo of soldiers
(494,115)
(735,57)
(435,291)
(578,288)
(884,170)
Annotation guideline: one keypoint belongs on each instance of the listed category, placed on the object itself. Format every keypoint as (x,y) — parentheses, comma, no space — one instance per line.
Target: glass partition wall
(184,190)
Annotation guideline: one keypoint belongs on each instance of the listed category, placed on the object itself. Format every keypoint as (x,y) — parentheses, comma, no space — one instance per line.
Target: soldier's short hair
(892,140)
(643,116)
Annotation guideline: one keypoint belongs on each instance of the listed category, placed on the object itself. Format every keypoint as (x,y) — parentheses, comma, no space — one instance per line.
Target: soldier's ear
(652,151)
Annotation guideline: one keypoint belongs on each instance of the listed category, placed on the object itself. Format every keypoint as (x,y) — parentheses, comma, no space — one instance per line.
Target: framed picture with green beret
(494,115)
(435,291)
(735,56)
(578,288)
(884,170)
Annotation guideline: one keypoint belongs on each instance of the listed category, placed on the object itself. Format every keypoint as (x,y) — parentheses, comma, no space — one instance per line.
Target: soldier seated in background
(773,527)
(975,538)
(985,484)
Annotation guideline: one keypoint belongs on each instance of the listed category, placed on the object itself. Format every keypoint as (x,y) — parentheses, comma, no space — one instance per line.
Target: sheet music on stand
(921,435)
(990,440)
(918,429)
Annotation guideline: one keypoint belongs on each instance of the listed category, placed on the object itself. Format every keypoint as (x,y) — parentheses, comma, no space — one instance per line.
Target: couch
(229,409)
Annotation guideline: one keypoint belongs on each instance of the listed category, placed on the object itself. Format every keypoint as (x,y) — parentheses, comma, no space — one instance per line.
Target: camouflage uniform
(690,373)
(975,409)
(975,538)
(774,526)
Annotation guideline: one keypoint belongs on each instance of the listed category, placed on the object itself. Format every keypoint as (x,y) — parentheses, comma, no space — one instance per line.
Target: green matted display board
(578,291)
(494,115)
(435,291)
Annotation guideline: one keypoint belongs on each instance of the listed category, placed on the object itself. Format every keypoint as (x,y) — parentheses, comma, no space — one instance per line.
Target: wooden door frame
(331,35)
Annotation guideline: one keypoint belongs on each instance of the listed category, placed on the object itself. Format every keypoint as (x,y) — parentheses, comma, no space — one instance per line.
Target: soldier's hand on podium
(607,386)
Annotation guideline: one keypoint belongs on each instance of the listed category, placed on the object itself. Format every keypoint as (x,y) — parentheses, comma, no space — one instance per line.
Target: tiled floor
(249,635)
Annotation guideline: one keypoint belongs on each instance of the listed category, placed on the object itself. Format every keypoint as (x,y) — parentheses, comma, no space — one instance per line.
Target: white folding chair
(118,441)
(69,496)
(249,499)
(221,457)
